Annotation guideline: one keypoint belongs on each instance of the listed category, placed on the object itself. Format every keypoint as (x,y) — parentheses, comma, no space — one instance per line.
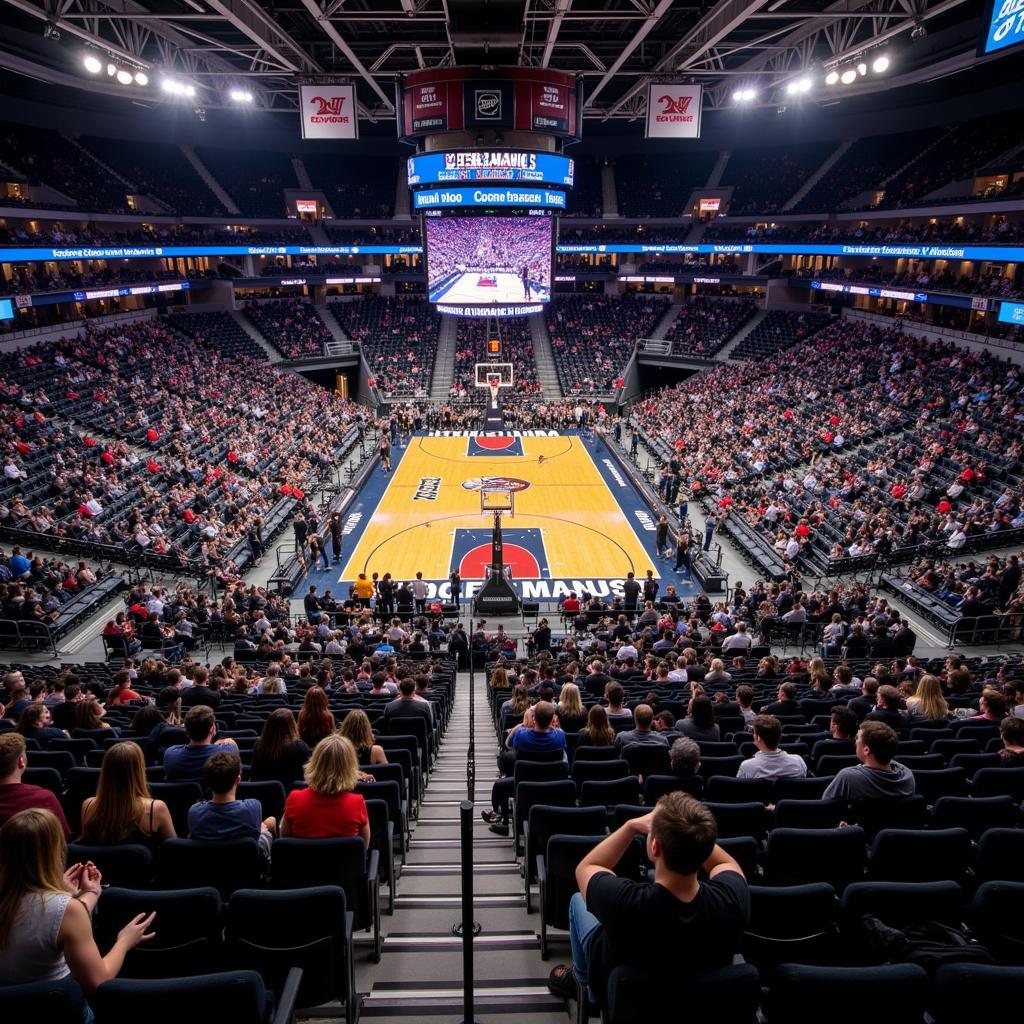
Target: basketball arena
(511,511)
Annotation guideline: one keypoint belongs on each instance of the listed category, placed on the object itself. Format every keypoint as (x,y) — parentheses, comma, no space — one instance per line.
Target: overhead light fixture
(124,77)
(848,76)
(240,96)
(832,77)
(744,95)
(92,64)
(880,65)
(918,32)
(176,88)
(141,78)
(798,86)
(862,69)
(50,31)
(111,70)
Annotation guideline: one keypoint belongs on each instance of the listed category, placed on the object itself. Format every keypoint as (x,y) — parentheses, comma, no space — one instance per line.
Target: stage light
(111,70)
(92,64)
(240,96)
(124,77)
(832,77)
(848,76)
(880,65)
(190,91)
(744,95)
(141,78)
(798,86)
(50,31)
(176,88)
(862,69)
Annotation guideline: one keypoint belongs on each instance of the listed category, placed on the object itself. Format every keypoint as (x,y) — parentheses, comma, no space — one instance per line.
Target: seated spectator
(409,704)
(597,732)
(121,692)
(315,718)
(328,807)
(46,911)
(786,704)
(36,723)
(122,811)
(1011,732)
(205,689)
(991,707)
(684,757)
(878,776)
(690,921)
(642,733)
(699,724)
(769,762)
(745,699)
(536,734)
(927,701)
(16,795)
(279,753)
(616,695)
(356,728)
(223,816)
(89,714)
(186,762)
(888,709)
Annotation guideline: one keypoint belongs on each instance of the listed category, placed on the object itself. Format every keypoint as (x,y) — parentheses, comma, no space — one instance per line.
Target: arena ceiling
(266,47)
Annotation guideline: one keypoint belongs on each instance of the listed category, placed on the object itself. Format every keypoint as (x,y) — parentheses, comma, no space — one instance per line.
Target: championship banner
(328,112)
(673,111)
(549,107)
(428,107)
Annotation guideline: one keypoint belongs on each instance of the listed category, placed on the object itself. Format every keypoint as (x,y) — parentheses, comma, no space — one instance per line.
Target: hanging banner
(328,112)
(673,111)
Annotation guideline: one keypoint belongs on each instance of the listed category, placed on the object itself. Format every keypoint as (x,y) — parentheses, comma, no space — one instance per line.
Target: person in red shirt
(16,795)
(328,808)
(121,692)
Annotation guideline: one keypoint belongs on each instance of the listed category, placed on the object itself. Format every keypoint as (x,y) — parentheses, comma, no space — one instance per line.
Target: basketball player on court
(524,273)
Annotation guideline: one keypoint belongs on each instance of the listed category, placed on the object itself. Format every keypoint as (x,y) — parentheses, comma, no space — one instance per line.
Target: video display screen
(477,261)
(1002,25)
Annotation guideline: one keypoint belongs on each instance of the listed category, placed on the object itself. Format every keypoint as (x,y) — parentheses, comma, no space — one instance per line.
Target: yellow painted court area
(585,533)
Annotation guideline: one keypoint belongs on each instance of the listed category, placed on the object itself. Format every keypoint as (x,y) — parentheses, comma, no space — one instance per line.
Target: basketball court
(578,521)
(479,287)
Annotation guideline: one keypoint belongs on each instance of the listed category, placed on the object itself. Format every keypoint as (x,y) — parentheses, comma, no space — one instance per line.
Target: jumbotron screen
(492,260)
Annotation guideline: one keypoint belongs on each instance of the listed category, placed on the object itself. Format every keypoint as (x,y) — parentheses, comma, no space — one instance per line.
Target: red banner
(427,108)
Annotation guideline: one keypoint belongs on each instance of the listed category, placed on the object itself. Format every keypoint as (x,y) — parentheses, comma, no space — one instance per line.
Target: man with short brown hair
(878,776)
(16,795)
(769,762)
(684,921)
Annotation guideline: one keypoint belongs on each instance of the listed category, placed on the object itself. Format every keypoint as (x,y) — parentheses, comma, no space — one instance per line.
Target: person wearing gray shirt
(769,762)
(878,776)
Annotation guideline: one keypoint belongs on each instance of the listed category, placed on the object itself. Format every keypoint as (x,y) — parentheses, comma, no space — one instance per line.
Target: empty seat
(735,820)
(1000,855)
(895,994)
(311,929)
(790,924)
(728,995)
(54,1002)
(995,914)
(238,996)
(809,813)
(127,865)
(975,813)
(187,940)
(797,855)
(933,785)
(656,786)
(610,792)
(914,855)
(227,865)
(997,781)
(546,821)
(556,872)
(962,991)
(723,789)
(897,904)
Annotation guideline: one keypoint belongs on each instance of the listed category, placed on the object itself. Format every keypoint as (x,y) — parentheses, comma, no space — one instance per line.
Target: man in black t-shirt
(691,918)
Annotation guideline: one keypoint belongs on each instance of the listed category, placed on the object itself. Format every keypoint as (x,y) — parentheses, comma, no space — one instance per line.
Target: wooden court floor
(566,517)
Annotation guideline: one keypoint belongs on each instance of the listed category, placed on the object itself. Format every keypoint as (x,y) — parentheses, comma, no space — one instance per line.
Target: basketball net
(493,384)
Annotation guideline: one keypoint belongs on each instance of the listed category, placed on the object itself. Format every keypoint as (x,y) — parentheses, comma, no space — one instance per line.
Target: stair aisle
(420,973)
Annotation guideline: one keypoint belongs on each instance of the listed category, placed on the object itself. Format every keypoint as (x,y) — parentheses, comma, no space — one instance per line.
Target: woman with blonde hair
(569,701)
(928,701)
(329,807)
(122,811)
(46,912)
(356,727)
(597,732)
(499,679)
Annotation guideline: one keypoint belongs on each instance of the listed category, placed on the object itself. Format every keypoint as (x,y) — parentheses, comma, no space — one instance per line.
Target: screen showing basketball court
(578,522)
(497,259)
